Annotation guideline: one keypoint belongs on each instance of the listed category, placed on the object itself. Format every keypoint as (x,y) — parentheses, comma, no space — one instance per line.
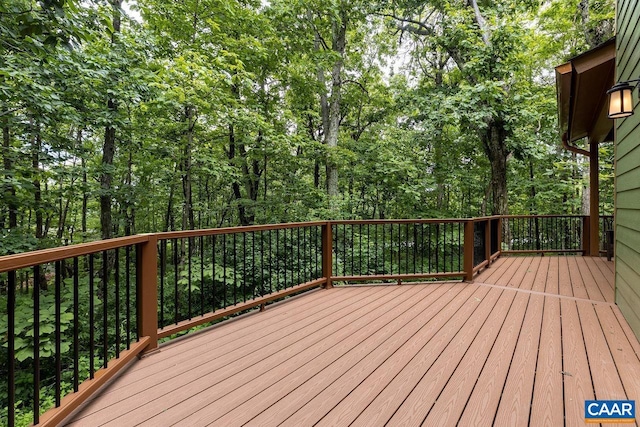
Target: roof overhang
(582,85)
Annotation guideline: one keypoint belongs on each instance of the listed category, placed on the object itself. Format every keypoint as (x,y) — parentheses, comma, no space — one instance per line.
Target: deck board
(578,386)
(548,387)
(526,343)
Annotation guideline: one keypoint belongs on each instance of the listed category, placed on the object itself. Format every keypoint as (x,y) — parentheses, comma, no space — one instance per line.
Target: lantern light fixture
(621,99)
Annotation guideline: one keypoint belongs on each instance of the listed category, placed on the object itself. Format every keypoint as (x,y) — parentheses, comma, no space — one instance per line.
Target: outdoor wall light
(621,99)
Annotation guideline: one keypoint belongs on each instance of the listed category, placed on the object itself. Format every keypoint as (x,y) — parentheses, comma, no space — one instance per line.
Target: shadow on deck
(528,341)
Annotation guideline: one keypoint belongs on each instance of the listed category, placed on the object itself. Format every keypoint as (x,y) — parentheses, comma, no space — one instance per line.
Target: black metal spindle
(76,324)
(253,264)
(235,268)
(368,249)
(127,279)
(406,247)
(58,334)
(91,318)
(391,248)
(138,289)
(175,279)
(244,267)
(189,264)
(437,248)
(292,264)
(360,248)
(163,267)
(224,270)
(201,275)
(415,246)
(459,246)
(344,249)
(307,254)
(421,247)
(117,299)
(339,255)
(36,344)
(261,262)
(11,358)
(277,259)
(213,272)
(271,259)
(399,248)
(105,300)
(429,234)
(384,247)
(297,266)
(302,262)
(451,252)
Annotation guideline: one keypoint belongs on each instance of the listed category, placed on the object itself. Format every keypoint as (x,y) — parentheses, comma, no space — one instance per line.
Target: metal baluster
(253,263)
(368,249)
(270,260)
(175,276)
(297,267)
(261,262)
(127,278)
(451,252)
(36,344)
(163,254)
(189,251)
(292,256)
(391,248)
(201,275)
(244,267)
(235,269)
(360,248)
(91,318)
(213,273)
(117,300)
(224,270)
(58,334)
(11,358)
(459,246)
(76,325)
(105,318)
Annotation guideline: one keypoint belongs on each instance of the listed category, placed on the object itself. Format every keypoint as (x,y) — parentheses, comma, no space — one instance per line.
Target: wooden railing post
(147,290)
(468,250)
(327,253)
(586,235)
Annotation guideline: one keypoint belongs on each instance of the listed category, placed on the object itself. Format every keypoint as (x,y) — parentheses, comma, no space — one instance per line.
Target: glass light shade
(620,101)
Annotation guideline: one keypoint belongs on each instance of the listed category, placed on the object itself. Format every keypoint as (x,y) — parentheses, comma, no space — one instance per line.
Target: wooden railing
(92,308)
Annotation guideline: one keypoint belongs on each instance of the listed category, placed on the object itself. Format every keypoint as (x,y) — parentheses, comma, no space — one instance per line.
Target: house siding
(627,213)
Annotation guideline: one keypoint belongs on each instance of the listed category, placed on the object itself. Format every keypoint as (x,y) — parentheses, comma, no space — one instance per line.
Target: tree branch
(482,23)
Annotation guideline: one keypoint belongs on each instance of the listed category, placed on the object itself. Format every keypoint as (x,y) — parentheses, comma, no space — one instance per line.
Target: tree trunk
(109,146)
(85,187)
(493,140)
(37,193)
(9,189)
(331,137)
(235,186)
(168,219)
(188,218)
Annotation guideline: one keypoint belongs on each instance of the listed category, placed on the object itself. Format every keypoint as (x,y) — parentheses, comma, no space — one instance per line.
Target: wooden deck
(525,344)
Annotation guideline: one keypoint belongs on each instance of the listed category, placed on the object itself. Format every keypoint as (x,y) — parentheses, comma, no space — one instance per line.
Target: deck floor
(525,344)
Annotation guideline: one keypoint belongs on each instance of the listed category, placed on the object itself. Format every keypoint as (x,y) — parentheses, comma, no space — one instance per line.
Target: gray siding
(628,170)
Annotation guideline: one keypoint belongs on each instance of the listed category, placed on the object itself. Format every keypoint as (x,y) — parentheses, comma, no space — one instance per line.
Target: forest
(130,117)
(120,118)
